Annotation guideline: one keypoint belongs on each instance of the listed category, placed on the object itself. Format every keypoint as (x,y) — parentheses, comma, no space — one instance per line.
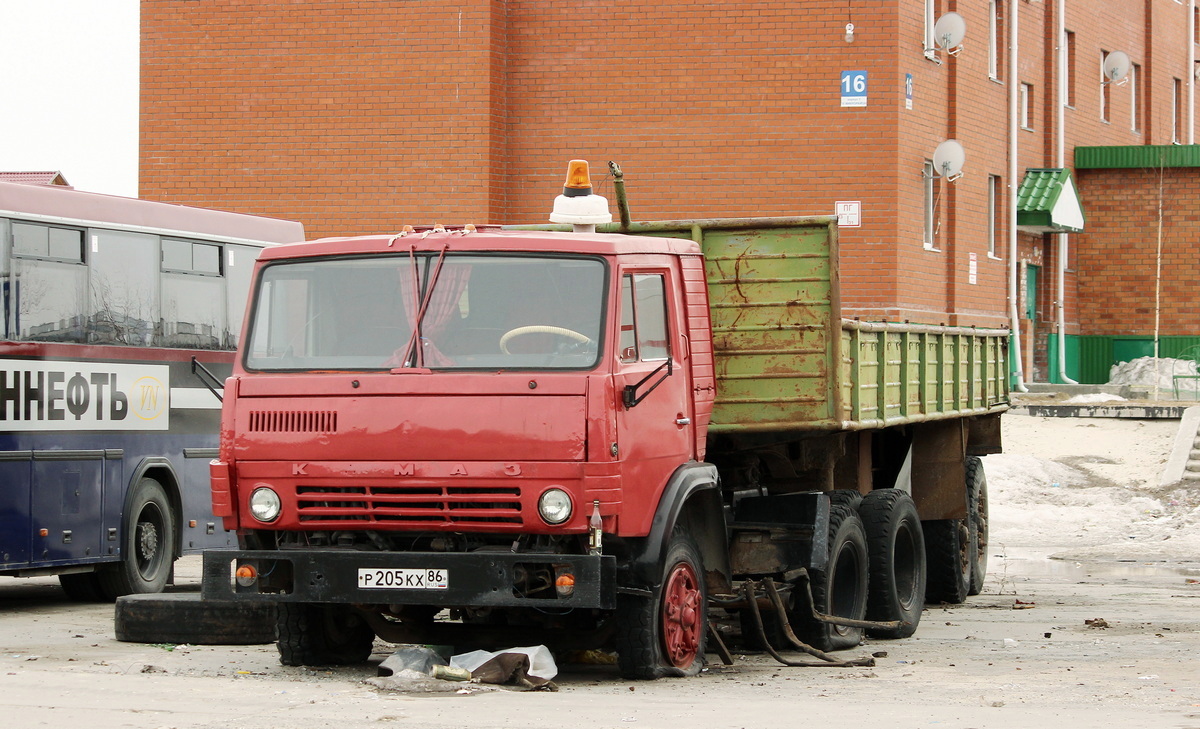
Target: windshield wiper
(414,355)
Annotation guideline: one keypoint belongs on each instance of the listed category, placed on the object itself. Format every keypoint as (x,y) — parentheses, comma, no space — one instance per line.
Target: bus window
(124,287)
(193,296)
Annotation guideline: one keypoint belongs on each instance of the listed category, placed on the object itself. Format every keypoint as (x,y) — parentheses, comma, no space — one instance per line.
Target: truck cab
(473,419)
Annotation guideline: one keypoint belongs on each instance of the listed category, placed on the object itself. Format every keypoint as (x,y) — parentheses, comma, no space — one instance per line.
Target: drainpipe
(1191,44)
(1013,130)
(1060,162)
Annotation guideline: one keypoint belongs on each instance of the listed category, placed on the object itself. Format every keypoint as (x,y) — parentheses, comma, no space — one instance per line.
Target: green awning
(1048,202)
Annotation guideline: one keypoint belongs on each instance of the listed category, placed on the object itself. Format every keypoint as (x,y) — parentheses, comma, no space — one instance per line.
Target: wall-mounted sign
(854,88)
(849,213)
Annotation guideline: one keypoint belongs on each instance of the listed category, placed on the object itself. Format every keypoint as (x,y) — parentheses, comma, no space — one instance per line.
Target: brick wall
(363,116)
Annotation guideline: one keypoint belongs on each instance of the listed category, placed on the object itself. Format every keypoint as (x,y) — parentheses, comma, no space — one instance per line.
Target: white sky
(69,91)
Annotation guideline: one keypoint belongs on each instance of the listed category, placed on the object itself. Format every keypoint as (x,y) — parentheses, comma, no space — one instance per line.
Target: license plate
(398,579)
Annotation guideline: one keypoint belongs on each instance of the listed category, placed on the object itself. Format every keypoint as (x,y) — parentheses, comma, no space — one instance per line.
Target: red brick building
(361,116)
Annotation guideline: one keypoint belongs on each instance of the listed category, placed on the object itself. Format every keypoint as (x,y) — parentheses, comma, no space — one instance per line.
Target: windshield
(481,312)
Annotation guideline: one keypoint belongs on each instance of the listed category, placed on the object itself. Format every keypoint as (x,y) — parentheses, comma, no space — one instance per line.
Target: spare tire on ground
(182,617)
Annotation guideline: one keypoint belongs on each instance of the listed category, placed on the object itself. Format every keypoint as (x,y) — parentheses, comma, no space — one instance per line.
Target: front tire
(665,635)
(896,551)
(82,587)
(321,635)
(148,547)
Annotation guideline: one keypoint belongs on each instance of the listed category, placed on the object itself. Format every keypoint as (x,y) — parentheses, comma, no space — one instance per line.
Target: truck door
(653,378)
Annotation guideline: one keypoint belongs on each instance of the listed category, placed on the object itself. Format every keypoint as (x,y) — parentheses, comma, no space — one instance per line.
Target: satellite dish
(948,160)
(948,32)
(1116,66)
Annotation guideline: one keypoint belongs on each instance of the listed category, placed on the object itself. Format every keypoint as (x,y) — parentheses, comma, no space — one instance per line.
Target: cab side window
(643,318)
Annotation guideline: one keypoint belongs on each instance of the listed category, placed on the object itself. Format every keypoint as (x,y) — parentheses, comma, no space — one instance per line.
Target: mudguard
(691,500)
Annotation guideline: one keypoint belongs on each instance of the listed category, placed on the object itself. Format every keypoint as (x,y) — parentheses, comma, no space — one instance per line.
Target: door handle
(683,421)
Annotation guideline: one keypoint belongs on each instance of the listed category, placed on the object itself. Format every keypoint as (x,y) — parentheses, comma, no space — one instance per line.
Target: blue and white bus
(106,430)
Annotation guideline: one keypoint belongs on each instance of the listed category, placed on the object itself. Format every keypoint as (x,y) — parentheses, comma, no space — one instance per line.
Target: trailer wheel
(845,497)
(183,617)
(665,635)
(147,550)
(977,514)
(948,550)
(82,587)
(840,589)
(321,635)
(896,554)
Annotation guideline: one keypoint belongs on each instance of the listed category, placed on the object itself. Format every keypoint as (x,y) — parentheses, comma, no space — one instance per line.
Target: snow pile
(1087,489)
(1152,371)
(1042,504)
(1094,397)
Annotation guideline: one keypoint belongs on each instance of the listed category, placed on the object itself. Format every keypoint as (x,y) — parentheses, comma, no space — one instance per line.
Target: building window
(1135,93)
(995,221)
(1069,69)
(1025,106)
(930,229)
(995,39)
(1105,90)
(1176,111)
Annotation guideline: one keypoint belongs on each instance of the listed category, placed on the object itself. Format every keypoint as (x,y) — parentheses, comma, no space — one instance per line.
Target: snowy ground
(1088,489)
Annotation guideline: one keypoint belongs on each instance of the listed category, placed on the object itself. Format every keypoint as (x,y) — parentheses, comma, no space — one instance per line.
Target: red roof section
(35,178)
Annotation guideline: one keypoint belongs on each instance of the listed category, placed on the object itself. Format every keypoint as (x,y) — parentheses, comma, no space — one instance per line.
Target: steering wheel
(542,329)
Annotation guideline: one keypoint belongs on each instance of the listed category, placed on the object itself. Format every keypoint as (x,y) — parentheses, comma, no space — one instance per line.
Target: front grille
(293,421)
(417,505)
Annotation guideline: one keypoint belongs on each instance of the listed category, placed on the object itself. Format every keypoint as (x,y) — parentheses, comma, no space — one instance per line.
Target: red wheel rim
(681,610)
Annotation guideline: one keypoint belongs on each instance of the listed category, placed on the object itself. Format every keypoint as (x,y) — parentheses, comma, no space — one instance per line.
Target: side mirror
(630,396)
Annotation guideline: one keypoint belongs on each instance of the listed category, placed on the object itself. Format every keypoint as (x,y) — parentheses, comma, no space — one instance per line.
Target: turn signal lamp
(577,205)
(565,585)
(246,575)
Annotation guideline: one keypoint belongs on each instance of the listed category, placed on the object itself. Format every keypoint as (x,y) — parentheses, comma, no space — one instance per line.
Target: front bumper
(473,579)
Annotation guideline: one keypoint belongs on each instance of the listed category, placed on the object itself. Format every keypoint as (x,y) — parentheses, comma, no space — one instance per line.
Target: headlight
(555,506)
(265,504)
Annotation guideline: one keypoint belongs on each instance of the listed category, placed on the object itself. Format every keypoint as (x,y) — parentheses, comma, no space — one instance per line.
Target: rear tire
(948,549)
(321,635)
(840,589)
(148,545)
(845,497)
(896,550)
(665,635)
(977,515)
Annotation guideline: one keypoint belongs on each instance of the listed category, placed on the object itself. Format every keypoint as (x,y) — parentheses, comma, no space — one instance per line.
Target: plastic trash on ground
(528,667)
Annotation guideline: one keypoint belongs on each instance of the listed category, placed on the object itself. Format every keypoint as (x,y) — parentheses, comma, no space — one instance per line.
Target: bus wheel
(183,617)
(896,549)
(840,589)
(147,549)
(977,513)
(321,635)
(82,587)
(664,635)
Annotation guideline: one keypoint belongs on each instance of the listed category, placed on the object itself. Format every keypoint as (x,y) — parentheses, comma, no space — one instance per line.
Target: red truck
(492,437)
